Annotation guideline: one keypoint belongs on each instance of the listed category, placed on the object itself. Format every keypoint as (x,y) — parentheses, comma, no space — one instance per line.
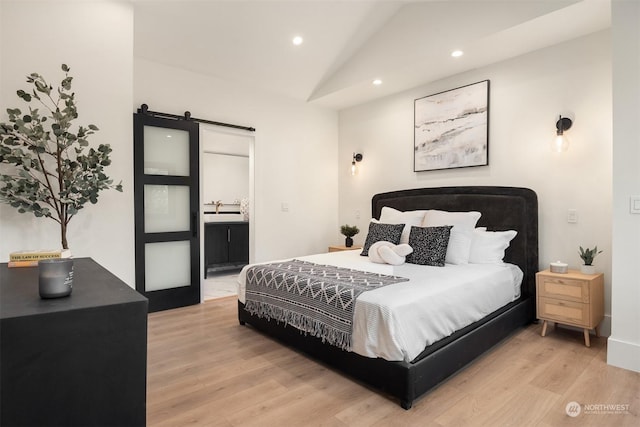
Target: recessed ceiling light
(457,53)
(297,40)
(377,82)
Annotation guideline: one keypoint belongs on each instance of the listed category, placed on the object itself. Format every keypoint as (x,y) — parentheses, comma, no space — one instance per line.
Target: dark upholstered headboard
(502,208)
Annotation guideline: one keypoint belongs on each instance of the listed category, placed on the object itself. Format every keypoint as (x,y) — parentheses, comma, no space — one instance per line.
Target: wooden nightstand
(573,298)
(338,248)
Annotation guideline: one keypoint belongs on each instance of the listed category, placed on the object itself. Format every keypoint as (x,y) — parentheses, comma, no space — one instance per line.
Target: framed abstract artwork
(451,129)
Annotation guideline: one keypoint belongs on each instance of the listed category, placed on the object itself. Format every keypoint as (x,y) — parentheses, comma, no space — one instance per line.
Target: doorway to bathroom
(227,207)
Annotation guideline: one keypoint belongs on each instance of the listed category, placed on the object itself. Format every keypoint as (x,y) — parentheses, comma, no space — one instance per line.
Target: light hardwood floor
(205,369)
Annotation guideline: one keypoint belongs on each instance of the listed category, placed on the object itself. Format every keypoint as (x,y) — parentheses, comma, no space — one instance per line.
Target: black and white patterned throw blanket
(314,298)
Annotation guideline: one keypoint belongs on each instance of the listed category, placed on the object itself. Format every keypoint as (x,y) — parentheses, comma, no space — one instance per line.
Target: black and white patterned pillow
(382,232)
(429,245)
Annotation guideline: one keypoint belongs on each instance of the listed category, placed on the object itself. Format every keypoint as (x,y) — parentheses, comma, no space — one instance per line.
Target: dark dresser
(79,360)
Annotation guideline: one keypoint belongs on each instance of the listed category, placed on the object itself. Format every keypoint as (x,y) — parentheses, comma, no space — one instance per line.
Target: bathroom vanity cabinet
(226,245)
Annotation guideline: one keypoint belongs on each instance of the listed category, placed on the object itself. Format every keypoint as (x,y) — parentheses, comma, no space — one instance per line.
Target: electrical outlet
(284,207)
(572,216)
(357,213)
(634,207)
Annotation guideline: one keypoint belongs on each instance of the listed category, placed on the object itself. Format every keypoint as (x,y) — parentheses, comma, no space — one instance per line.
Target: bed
(502,208)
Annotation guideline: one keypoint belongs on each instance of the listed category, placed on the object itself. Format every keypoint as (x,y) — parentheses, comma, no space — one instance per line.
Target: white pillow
(393,216)
(461,233)
(487,247)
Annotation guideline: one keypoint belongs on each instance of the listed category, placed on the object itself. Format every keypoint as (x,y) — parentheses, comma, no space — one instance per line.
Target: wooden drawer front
(563,311)
(565,289)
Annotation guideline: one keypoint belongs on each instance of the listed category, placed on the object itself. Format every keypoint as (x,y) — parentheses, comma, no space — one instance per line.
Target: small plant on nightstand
(349,231)
(587,256)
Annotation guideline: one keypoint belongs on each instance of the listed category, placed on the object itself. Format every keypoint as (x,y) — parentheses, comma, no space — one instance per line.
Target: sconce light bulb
(357,157)
(560,143)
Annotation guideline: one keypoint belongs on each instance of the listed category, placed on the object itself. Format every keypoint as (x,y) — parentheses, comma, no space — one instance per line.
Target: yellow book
(35,255)
(12,264)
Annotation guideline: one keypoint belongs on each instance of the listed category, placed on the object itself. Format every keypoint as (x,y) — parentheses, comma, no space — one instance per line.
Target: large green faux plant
(46,168)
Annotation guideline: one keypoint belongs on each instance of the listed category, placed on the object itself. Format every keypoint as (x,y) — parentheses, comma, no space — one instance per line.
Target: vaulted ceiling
(349,43)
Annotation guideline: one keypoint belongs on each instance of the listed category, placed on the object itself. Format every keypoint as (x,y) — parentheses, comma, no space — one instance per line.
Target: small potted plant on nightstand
(587,256)
(349,231)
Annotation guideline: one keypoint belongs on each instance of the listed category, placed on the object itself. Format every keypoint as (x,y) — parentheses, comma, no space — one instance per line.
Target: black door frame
(185,295)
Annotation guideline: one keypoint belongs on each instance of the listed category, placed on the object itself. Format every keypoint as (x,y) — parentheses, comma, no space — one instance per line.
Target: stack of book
(30,258)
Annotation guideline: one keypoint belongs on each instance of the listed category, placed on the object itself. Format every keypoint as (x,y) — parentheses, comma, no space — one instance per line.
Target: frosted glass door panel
(167,265)
(167,196)
(166,151)
(166,208)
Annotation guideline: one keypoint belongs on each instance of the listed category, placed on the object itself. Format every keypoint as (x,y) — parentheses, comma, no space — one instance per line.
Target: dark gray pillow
(429,245)
(379,232)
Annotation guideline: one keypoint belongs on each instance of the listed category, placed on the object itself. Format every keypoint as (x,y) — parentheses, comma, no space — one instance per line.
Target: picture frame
(451,128)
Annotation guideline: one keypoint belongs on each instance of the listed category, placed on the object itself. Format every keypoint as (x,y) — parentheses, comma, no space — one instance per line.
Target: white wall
(35,37)
(295,153)
(623,347)
(526,96)
(295,144)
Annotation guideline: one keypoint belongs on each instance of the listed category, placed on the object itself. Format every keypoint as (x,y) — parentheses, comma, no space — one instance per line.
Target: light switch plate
(634,207)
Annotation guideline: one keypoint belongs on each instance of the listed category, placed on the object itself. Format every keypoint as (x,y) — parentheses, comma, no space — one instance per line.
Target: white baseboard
(623,354)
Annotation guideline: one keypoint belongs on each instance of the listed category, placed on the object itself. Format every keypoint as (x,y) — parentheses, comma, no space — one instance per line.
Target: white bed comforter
(397,322)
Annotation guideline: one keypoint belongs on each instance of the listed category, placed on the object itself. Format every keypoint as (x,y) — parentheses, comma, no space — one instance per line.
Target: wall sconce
(561,142)
(357,157)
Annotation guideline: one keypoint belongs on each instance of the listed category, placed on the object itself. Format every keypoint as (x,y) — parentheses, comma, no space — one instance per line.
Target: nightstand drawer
(563,311)
(565,289)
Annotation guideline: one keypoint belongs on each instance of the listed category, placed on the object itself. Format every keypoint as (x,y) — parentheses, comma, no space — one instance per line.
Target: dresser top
(93,286)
